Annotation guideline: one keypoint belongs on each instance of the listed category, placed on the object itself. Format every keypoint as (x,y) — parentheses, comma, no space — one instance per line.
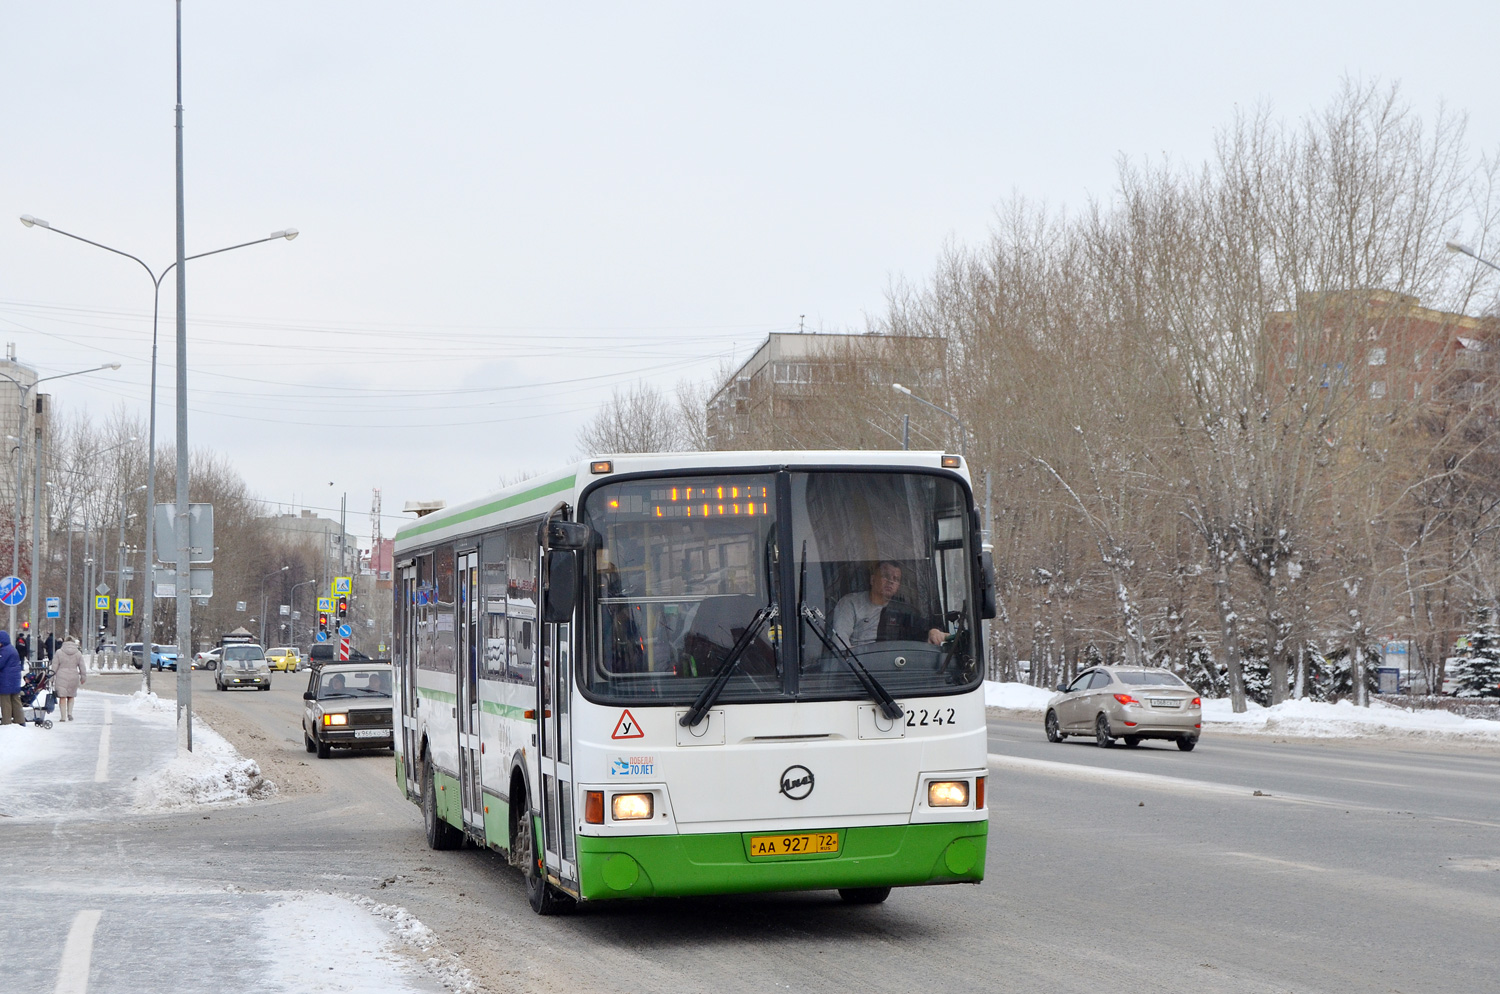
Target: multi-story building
(335,547)
(1388,347)
(821,391)
(17,403)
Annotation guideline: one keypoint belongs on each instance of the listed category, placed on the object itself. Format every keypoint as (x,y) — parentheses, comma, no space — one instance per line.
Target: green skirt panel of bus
(721,863)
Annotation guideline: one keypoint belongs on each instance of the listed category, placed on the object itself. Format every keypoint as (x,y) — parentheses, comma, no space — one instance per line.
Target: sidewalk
(118,757)
(118,761)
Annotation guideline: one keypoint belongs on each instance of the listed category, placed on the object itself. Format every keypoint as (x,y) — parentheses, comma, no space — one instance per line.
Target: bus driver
(862,617)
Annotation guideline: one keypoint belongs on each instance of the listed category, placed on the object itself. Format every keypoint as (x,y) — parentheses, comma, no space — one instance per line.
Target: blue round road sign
(322,636)
(12,591)
(345,631)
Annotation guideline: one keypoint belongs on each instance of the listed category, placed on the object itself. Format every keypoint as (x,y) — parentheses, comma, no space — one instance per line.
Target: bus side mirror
(562,586)
(986,584)
(559,534)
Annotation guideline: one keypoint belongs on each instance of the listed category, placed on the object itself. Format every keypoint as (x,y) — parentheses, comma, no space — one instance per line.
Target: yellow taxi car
(286,659)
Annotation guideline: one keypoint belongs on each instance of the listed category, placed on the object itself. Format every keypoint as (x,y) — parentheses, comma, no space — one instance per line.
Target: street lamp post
(963,433)
(1462,249)
(36,500)
(263,580)
(149,601)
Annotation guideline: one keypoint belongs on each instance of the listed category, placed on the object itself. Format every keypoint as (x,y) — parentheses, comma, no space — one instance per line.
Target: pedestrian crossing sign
(325,604)
(342,586)
(101,602)
(124,606)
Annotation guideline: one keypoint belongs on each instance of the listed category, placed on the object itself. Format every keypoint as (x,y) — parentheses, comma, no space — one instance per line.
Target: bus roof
(540,494)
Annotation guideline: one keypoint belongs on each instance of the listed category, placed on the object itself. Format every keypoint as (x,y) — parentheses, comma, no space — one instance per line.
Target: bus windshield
(687,567)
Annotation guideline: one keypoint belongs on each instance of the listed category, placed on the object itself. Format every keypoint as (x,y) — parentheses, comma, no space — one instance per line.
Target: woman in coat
(68,677)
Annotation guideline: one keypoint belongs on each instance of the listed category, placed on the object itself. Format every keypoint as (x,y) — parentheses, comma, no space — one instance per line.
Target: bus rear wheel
(864,895)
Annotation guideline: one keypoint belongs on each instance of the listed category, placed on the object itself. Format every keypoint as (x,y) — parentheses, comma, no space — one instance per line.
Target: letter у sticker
(627,727)
(633,766)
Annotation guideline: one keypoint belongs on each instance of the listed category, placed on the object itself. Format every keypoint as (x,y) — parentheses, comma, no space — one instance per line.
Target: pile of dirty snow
(213,773)
(1016,696)
(1318,719)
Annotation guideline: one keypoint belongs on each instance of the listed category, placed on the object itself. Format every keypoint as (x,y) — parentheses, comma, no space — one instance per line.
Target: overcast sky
(507,211)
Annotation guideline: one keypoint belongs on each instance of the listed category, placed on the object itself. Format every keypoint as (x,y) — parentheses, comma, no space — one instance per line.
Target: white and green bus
(702,673)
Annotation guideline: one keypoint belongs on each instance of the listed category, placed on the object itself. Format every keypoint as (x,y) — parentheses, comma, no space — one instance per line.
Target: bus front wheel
(440,834)
(543,897)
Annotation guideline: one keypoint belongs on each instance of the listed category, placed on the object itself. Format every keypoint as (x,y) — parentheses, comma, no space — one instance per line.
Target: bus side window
(494,553)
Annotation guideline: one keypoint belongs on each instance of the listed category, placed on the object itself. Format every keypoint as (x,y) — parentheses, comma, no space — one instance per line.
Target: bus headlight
(630,807)
(335,719)
(948,794)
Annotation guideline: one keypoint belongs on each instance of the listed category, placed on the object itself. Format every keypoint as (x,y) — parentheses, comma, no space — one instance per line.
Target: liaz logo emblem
(796,782)
(627,727)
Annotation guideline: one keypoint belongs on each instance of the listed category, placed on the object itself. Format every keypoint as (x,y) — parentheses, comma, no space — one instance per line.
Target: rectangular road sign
(201,581)
(200,533)
(325,603)
(101,602)
(124,606)
(342,586)
(54,607)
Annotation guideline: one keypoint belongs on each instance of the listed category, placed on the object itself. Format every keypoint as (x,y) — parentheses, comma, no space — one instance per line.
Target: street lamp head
(28,220)
(1459,247)
(900,389)
(288,234)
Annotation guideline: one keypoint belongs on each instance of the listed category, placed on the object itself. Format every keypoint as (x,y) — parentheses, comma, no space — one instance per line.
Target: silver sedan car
(1129,703)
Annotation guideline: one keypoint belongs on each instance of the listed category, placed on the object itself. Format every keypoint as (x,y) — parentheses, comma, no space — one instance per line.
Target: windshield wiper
(838,647)
(726,670)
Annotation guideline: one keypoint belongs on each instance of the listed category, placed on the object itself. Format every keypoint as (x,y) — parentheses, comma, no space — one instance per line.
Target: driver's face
(886,580)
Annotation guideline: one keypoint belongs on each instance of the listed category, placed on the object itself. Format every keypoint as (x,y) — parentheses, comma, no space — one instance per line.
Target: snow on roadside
(1319,719)
(213,773)
(1299,719)
(1016,696)
(324,942)
(442,962)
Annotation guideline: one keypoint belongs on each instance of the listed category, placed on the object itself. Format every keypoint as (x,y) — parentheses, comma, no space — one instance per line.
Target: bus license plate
(794,845)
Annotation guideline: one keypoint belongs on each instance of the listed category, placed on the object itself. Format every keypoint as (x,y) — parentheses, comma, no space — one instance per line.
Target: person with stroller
(10,683)
(69,676)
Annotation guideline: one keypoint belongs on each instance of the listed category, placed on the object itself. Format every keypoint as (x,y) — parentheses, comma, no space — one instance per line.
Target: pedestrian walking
(70,674)
(50,646)
(23,646)
(10,682)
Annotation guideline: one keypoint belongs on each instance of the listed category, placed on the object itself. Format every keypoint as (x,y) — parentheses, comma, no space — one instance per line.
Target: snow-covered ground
(119,759)
(119,755)
(1016,696)
(1317,719)
(1300,719)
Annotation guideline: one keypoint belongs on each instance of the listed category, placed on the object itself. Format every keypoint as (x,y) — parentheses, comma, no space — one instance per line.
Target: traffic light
(322,621)
(343,606)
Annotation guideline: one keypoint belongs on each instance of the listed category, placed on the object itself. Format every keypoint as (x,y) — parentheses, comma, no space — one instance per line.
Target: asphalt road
(1361,867)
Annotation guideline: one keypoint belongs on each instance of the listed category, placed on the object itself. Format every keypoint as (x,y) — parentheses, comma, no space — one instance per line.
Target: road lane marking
(1127,777)
(101,768)
(73,974)
(1156,781)
(1306,867)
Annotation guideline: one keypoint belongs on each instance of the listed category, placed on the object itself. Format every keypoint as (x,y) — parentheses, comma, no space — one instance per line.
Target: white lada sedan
(1130,703)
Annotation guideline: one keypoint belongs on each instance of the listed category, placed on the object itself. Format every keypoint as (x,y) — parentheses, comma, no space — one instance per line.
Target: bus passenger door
(406,671)
(553,688)
(469,650)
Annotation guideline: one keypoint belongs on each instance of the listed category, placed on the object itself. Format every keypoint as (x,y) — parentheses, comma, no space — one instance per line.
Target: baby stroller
(37,699)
